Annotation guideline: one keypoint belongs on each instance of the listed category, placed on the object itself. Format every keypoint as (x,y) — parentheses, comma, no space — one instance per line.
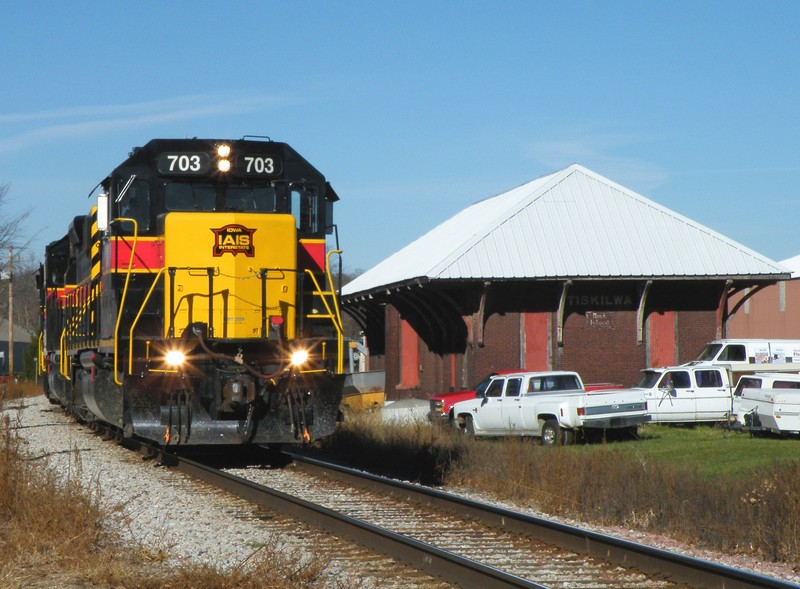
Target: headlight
(175,358)
(299,357)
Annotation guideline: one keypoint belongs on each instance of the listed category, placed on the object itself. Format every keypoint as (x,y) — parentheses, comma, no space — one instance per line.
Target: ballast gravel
(190,521)
(182,519)
(161,508)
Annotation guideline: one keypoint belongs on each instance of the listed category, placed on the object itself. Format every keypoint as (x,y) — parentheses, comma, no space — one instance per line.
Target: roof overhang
(439,309)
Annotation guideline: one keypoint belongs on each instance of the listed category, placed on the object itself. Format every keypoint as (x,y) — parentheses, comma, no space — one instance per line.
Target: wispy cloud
(605,154)
(81,121)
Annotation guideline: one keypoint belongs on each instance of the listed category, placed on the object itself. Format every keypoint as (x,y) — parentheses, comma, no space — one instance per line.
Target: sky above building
(414,110)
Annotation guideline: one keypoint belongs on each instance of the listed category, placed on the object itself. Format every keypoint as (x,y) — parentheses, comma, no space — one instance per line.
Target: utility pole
(10,313)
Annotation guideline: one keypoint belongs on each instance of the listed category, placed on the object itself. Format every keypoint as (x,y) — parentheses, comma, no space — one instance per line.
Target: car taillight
(581,410)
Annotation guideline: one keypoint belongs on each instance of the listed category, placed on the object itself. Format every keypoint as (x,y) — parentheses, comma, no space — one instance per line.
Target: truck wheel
(550,433)
(567,437)
(469,427)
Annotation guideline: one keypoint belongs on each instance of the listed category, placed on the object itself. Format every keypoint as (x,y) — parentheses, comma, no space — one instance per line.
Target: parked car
(553,405)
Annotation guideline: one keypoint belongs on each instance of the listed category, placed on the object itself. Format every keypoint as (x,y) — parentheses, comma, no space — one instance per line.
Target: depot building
(570,271)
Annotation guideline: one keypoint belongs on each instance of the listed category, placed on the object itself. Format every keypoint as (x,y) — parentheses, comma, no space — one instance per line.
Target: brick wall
(693,330)
(601,347)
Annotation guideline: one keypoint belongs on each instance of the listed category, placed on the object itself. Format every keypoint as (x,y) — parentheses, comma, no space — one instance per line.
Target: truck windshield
(649,380)
(481,387)
(709,352)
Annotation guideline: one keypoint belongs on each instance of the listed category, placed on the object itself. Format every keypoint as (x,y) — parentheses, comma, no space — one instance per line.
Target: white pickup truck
(687,394)
(551,405)
(768,402)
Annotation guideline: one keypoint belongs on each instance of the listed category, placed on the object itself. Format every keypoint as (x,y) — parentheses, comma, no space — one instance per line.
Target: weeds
(413,451)
(753,510)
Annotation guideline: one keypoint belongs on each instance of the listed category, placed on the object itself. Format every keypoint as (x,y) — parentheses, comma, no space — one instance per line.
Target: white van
(751,351)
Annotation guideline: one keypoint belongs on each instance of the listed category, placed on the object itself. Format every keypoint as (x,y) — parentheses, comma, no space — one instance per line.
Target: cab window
(733,353)
(678,378)
(134,204)
(513,387)
(708,378)
(495,388)
(304,208)
(567,382)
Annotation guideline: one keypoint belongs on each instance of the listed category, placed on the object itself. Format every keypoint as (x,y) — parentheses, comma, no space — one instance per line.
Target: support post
(722,310)
(561,308)
(10,313)
(640,313)
(481,311)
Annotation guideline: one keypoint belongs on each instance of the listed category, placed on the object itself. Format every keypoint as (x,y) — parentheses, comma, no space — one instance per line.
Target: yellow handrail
(41,353)
(62,361)
(136,320)
(124,295)
(333,314)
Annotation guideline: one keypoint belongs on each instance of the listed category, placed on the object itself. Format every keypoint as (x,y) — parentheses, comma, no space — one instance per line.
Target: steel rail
(674,567)
(435,561)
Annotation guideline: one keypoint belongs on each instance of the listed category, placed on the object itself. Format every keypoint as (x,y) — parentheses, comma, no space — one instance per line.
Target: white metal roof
(792,264)
(570,224)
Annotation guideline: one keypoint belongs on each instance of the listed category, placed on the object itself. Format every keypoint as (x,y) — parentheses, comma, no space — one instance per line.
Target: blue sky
(416,109)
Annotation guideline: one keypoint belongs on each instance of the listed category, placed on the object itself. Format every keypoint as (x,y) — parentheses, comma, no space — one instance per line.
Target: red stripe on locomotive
(311,255)
(148,255)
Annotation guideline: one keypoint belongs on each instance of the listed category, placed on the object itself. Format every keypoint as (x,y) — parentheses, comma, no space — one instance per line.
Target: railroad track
(463,542)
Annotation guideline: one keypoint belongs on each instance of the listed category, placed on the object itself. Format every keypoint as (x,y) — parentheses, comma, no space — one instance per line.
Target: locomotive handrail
(330,281)
(63,354)
(333,314)
(338,317)
(138,316)
(124,295)
(41,353)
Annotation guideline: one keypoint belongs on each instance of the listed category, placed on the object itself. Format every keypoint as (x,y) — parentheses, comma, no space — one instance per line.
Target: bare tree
(24,303)
(26,297)
(10,230)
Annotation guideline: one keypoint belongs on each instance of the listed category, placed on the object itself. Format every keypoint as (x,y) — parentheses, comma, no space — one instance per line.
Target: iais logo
(234,239)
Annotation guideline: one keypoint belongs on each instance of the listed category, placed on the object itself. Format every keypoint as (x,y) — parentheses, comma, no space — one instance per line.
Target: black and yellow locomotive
(195,304)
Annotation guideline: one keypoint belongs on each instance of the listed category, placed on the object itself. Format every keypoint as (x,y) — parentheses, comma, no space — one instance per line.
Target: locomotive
(196,303)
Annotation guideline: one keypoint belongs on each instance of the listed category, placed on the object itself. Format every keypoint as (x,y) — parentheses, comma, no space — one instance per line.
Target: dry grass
(756,512)
(414,451)
(57,533)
